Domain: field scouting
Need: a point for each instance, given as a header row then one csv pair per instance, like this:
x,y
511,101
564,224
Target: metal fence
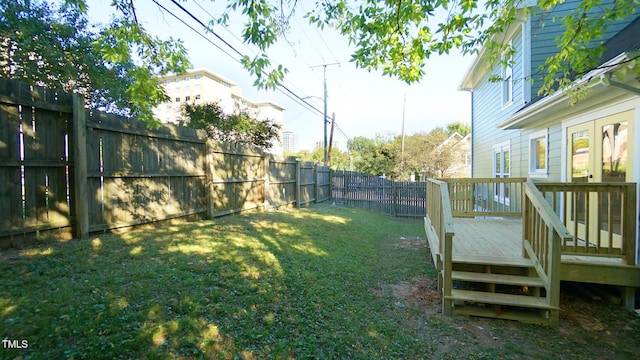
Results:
x,y
397,198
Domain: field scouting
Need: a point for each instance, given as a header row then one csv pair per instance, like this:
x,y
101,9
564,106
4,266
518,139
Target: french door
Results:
x,y
599,151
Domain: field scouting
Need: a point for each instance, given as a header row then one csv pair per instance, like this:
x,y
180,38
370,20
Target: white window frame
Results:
x,y
507,79
535,172
501,192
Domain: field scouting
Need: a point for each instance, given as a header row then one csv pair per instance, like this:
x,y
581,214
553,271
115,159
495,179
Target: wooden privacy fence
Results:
x,y
67,171
397,198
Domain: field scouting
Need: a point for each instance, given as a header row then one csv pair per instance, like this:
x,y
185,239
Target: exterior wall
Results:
x,y
534,43
520,145
488,111
546,27
196,86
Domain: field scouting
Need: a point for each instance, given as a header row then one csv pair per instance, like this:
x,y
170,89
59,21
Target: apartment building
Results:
x,y
288,141
201,86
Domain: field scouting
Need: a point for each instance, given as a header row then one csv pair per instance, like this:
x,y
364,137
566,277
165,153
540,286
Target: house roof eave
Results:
x,y
559,100
478,68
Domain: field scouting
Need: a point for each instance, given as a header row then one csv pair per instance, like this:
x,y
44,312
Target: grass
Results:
x,y
322,282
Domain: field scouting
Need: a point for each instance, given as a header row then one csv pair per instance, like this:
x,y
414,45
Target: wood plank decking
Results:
x,y
487,238
499,241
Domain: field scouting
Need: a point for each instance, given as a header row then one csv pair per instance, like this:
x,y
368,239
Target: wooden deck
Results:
x,y
487,237
501,238
508,262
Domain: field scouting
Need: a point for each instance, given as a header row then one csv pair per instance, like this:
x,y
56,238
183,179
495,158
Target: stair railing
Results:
x,y
542,236
440,217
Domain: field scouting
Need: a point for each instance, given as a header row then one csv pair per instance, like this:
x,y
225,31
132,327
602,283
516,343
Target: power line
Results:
x,y
280,87
299,100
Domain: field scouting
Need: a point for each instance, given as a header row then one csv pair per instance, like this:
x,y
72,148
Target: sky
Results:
x,y
365,103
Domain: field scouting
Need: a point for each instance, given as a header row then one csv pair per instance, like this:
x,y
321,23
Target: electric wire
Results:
x,y
287,92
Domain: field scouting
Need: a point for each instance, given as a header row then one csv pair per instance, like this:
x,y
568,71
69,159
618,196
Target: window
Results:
x,y
187,98
501,170
538,154
178,99
167,81
187,77
507,76
177,79
198,97
196,76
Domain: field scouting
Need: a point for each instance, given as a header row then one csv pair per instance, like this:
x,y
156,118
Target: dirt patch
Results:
x,y
410,243
421,293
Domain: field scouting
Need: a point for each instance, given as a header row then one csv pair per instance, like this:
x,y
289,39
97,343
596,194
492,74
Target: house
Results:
x,y
545,138
552,165
459,148
201,86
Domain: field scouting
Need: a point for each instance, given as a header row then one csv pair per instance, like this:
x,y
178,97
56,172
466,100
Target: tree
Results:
x,y
374,156
395,37
55,46
339,159
241,127
458,127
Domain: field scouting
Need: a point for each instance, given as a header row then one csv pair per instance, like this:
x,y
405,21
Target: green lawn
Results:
x,y
325,282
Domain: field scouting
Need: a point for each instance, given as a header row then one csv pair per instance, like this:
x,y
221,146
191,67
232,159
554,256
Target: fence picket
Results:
x,y
396,198
67,170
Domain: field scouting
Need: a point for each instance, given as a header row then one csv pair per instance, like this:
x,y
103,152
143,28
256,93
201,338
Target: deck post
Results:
x,y
630,224
553,293
447,305
628,297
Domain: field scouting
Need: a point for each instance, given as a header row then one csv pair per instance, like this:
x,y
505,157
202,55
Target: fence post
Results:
x,y
316,179
81,190
330,180
267,176
345,183
209,171
298,192
394,191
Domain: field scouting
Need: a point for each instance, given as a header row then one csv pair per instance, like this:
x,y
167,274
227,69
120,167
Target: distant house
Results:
x,y
455,153
201,86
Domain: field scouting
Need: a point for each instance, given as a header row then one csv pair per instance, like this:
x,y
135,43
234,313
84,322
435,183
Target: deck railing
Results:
x,y
600,216
440,220
542,236
486,196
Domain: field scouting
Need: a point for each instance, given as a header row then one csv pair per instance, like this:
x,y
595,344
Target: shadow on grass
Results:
x,y
284,284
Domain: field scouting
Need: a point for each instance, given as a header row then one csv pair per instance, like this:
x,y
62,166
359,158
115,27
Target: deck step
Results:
x,y
493,260
500,299
497,279
531,316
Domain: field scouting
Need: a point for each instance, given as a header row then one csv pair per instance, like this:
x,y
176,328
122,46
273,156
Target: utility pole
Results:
x,y
333,122
325,106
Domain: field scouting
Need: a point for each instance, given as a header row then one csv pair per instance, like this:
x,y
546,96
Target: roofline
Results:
x,y
201,70
260,103
562,95
468,82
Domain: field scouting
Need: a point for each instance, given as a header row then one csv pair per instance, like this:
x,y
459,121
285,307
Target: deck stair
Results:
x,y
504,288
